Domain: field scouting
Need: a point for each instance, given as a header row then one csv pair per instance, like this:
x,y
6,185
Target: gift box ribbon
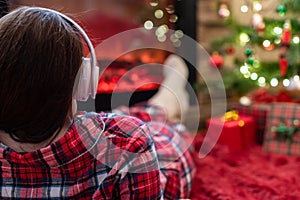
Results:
x,y
233,115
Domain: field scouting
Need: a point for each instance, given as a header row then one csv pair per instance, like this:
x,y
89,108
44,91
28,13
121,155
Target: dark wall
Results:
x,y
3,7
186,11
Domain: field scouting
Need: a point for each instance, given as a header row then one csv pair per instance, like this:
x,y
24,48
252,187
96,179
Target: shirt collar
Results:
x,y
78,140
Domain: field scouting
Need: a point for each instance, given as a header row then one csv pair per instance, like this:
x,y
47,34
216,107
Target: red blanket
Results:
x,y
251,174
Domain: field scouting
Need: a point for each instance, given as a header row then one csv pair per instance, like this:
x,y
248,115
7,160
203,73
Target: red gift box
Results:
x,y
238,134
259,112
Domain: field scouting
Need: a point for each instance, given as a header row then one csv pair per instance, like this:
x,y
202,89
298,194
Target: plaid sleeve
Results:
x,y
132,157
177,166
171,141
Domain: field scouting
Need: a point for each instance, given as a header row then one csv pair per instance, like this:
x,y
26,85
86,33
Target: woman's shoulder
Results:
x,y
120,129
124,141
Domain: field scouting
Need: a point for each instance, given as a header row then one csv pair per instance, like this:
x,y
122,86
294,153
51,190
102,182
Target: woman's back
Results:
x,y
116,163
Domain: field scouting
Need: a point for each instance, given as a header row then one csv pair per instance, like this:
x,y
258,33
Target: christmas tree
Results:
x,y
265,48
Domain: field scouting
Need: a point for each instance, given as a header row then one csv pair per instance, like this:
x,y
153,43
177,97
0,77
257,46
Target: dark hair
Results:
x,y
40,56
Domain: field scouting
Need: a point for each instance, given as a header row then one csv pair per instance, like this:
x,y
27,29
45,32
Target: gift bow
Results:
x,y
233,116
287,133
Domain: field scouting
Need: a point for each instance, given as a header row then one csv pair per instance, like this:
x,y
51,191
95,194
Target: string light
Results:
x,y
286,82
277,41
274,82
244,38
257,6
224,11
296,78
153,3
164,28
173,18
247,75
254,76
266,43
159,14
162,38
173,38
296,40
244,69
177,43
161,33
244,8
148,25
261,81
277,30
179,33
170,9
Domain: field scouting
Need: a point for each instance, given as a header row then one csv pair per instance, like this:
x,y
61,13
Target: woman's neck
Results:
x,y
30,147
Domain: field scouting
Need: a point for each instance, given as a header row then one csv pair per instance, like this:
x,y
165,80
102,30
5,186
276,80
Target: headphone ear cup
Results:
x,y
81,90
94,82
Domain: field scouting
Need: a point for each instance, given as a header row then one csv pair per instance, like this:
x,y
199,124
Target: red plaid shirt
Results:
x,y
86,163
121,162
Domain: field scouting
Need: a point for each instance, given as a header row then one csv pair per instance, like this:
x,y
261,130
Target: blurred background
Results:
x,y
103,19
253,44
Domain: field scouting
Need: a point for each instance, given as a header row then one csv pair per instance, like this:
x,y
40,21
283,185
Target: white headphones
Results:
x,y
86,82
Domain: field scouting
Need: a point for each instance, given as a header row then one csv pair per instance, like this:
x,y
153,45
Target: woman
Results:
x,y
47,151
